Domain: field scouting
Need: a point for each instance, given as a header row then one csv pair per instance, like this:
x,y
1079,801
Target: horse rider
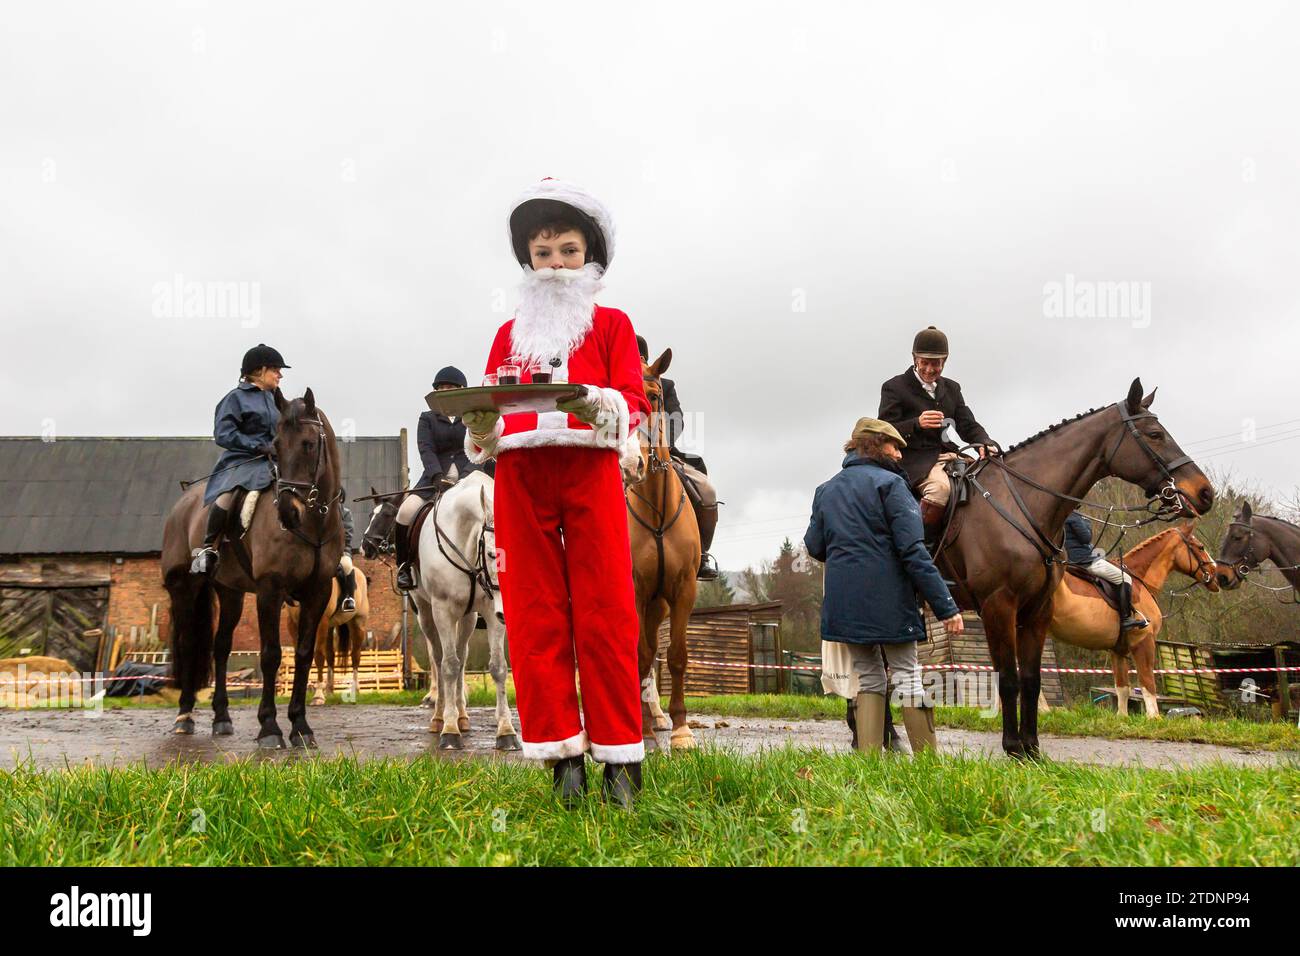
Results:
x,y
346,573
866,529
244,425
919,403
1081,554
441,440
700,491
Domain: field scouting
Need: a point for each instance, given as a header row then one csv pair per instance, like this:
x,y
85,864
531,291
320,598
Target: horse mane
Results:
x,y
1057,427
1149,543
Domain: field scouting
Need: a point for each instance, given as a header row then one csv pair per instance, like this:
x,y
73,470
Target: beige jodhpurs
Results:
x,y
937,486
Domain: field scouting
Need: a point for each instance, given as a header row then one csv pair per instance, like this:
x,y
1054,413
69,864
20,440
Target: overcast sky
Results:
x,y
798,188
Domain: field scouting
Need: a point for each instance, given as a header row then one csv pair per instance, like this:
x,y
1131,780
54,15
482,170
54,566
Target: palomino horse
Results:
x,y
291,549
1080,616
1252,539
1003,549
665,544
457,586
349,626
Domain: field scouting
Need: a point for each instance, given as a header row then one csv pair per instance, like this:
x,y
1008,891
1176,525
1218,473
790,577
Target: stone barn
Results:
x,y
81,524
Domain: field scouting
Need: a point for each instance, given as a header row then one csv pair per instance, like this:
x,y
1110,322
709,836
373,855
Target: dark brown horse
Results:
x,y
1004,547
291,549
1252,539
665,544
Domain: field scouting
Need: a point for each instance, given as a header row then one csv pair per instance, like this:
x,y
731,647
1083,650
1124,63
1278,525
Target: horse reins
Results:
x,y
656,466
477,571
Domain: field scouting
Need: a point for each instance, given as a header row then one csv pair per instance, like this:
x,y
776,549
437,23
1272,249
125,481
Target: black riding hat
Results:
x,y
261,356
643,348
450,375
930,343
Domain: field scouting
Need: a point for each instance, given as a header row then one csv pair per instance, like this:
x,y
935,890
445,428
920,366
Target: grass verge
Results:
x,y
705,808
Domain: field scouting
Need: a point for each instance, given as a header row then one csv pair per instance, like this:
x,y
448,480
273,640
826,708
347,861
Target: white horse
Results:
x,y
457,585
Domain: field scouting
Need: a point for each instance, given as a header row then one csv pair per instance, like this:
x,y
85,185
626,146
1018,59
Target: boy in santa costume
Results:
x,y
561,518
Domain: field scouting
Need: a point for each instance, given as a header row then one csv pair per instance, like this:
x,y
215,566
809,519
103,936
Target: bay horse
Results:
x,y
1252,539
457,586
349,627
665,542
1003,549
291,548
1080,616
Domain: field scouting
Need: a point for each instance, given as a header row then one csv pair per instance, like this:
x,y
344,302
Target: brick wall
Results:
x,y
135,586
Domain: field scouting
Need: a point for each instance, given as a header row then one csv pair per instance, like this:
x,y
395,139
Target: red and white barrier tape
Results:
x,y
989,667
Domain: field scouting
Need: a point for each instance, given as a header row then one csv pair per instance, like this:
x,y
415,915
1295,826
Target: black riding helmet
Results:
x,y
930,343
643,348
261,356
450,375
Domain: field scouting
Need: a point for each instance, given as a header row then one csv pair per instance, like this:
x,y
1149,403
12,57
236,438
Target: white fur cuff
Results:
x,y
481,453
619,753
557,749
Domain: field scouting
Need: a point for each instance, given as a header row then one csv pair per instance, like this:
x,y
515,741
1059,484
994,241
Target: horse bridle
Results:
x,y
1247,562
1169,492
311,499
1201,563
477,571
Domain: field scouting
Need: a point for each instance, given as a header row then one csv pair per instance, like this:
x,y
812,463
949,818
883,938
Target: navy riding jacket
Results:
x,y
245,420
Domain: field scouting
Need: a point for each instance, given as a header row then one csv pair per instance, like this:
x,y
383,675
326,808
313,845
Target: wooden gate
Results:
x,y
51,622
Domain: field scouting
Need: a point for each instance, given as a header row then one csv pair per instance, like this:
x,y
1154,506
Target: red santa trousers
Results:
x,y
569,601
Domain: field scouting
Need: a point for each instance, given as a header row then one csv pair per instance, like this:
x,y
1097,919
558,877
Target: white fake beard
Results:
x,y
555,313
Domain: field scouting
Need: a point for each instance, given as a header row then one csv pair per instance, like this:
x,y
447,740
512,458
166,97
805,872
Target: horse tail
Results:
x,y
191,636
344,631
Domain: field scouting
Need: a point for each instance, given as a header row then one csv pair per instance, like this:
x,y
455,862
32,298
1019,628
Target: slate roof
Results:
x,y
110,495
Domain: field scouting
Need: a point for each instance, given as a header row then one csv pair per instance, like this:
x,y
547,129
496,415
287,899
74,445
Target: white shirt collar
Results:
x,y
929,388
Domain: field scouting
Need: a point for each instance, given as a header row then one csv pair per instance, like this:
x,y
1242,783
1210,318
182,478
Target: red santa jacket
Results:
x,y
608,362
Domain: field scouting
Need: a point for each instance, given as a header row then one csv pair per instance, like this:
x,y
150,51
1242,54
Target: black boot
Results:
x,y
401,536
851,718
622,784
708,568
205,557
1130,620
569,780
348,588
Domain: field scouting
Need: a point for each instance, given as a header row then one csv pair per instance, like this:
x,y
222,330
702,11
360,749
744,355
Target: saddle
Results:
x,y
413,536
1109,591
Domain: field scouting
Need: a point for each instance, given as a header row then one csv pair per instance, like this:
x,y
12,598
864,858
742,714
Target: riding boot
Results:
x,y
205,557
708,568
569,780
621,784
707,519
1130,619
850,718
870,719
401,544
931,513
919,722
348,587
893,741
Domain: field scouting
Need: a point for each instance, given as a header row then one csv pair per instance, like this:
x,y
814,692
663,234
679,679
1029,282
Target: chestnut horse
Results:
x,y
665,544
1004,551
292,547
1081,617
350,629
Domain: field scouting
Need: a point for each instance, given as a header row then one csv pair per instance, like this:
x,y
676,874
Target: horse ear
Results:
x,y
373,491
1146,402
1245,512
280,403
310,401
662,362
1134,400
482,497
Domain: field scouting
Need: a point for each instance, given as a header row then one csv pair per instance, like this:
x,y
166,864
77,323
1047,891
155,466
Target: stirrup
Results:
x,y
1134,624
708,568
405,581
204,560
348,604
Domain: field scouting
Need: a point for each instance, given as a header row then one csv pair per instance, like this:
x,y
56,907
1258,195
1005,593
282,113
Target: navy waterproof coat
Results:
x,y
866,527
245,420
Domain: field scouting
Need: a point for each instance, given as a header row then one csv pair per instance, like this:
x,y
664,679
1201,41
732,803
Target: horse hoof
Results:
x,y
305,741
450,742
462,724
270,742
318,701
508,742
222,728
428,703
435,725
185,727
683,741
663,724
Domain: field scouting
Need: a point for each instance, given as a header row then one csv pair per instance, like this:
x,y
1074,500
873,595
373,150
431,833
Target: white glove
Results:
x,y
586,408
481,423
